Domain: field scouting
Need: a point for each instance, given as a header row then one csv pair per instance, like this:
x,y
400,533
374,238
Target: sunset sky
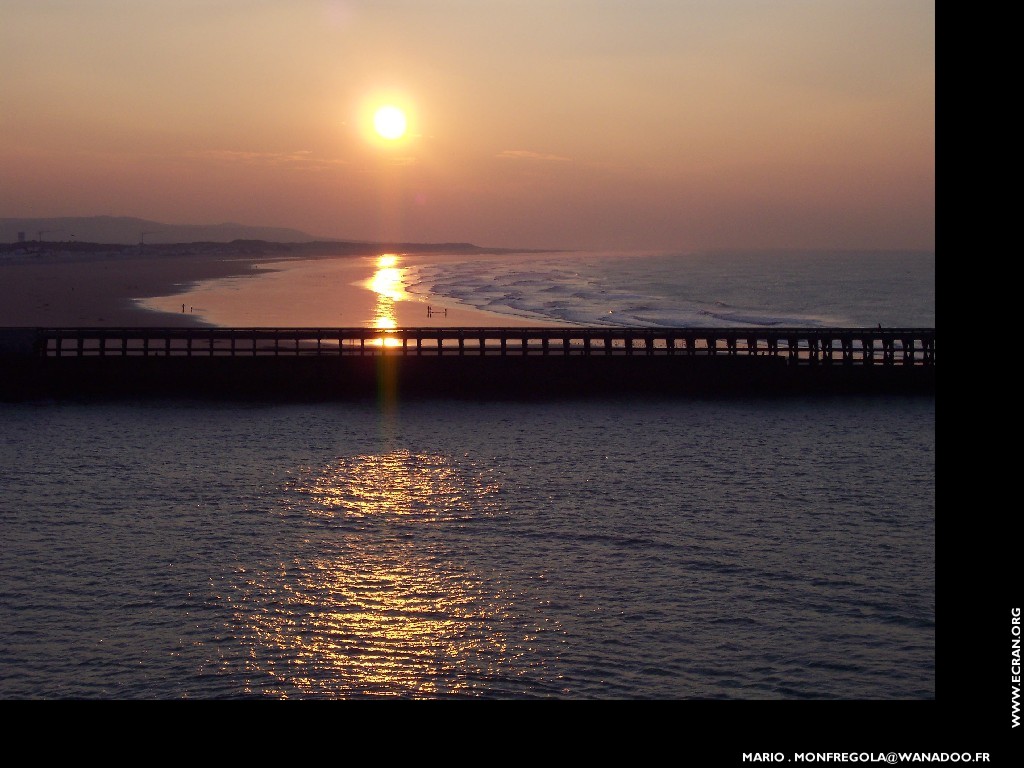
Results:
x,y
640,124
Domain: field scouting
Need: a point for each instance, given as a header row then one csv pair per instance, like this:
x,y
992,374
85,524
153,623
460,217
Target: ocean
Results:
x,y
763,289
593,548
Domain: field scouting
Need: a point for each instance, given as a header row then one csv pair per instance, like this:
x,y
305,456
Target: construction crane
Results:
x,y
142,236
47,232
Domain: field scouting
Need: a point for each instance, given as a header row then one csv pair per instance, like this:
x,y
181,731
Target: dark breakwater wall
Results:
x,y
317,363
485,377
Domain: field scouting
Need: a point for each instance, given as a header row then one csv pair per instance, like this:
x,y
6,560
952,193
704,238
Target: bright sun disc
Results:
x,y
389,122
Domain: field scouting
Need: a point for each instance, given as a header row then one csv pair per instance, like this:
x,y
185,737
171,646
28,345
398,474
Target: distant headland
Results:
x,y
124,235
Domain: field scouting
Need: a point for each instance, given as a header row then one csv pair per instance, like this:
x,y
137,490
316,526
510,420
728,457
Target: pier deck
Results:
x,y
326,362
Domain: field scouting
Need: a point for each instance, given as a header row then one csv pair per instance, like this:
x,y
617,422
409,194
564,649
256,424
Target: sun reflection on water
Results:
x,y
388,283
389,611
399,483
376,623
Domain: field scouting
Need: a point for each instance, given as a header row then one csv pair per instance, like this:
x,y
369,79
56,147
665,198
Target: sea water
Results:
x,y
763,289
734,548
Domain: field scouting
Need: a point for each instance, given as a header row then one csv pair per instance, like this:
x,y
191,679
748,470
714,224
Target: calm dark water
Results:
x,y
744,549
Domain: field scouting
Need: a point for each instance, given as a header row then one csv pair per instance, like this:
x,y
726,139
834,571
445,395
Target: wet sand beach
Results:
x,y
266,291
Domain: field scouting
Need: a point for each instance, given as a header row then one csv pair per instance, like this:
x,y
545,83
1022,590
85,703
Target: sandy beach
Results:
x,y
138,291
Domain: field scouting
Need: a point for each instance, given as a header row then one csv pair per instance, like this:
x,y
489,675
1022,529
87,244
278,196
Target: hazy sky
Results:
x,y
646,124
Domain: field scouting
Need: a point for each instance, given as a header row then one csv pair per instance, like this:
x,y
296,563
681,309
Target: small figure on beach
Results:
x,y
183,309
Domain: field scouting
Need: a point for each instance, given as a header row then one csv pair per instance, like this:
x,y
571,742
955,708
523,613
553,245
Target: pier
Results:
x,y
477,362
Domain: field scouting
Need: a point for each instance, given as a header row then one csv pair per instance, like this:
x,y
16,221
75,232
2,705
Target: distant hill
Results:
x,y
126,230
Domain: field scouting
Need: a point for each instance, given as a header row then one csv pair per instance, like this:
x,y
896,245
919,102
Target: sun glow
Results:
x,y
389,122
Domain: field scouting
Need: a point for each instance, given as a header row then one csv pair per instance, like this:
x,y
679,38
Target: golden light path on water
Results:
x,y
386,612
388,283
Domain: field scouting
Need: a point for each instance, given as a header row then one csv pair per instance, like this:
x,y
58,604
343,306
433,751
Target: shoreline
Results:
x,y
105,290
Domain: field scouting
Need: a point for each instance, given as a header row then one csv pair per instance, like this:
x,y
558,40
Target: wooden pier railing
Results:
x,y
798,346
534,363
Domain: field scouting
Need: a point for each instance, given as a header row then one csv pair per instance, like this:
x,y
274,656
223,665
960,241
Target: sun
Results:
x,y
390,122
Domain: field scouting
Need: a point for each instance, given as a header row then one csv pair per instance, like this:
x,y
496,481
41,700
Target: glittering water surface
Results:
x,y
592,549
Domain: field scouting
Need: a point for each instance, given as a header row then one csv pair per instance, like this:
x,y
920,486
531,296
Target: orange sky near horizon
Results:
x,y
648,124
